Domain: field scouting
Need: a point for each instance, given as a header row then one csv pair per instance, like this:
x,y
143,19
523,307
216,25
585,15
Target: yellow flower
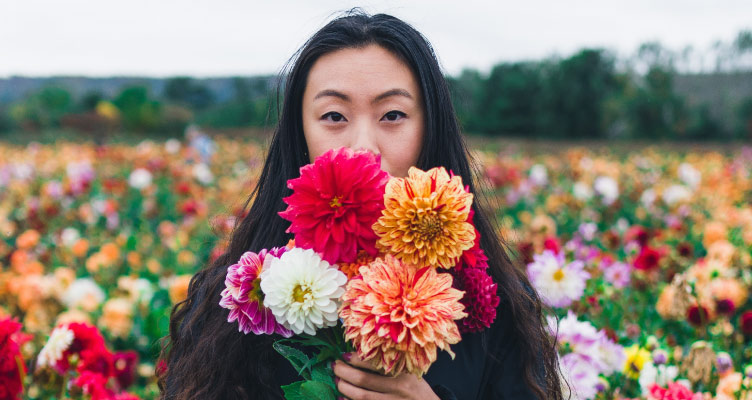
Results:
x,y
636,359
424,222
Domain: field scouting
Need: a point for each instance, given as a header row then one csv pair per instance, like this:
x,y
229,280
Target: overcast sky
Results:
x,y
244,37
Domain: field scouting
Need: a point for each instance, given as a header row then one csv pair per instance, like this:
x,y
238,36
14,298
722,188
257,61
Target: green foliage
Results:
x,y
744,130
139,113
652,107
187,92
42,109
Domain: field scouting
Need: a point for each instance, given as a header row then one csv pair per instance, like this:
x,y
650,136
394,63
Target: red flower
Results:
x,y
745,322
637,233
85,337
725,307
675,391
94,385
10,359
698,315
98,360
335,202
647,259
480,299
125,367
552,243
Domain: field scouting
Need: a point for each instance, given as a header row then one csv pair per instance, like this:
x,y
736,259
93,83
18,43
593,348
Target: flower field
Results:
x,y
644,258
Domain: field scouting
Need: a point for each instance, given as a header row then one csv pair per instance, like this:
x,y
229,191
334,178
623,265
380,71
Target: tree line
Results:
x,y
589,95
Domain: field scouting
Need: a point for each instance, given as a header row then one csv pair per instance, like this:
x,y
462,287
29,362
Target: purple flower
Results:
x,y
559,283
243,296
618,274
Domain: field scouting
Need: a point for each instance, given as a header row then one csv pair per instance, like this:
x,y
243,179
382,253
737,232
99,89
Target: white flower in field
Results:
x,y
83,290
69,236
660,375
588,230
538,175
558,283
608,188
582,191
648,197
675,194
302,290
139,178
689,175
172,146
203,174
59,341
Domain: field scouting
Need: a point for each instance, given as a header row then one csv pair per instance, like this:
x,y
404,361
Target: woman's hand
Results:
x,y
357,384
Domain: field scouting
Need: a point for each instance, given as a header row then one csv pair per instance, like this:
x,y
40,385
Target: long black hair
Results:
x,y
206,357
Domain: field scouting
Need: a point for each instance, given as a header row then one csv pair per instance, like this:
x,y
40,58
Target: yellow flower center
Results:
x,y
300,293
558,275
429,226
335,203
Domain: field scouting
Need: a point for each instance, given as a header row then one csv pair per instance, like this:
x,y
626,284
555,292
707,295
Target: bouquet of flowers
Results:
x,y
390,268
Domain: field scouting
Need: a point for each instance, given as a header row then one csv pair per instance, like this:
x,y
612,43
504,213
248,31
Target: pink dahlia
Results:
x,y
480,299
335,202
243,297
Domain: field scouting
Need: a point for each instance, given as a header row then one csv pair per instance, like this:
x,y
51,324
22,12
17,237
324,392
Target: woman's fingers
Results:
x,y
362,379
355,361
353,392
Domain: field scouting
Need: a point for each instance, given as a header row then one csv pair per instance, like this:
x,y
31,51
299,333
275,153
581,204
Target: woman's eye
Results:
x,y
394,115
333,116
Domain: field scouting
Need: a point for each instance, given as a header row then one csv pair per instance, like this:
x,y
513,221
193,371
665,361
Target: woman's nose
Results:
x,y
364,137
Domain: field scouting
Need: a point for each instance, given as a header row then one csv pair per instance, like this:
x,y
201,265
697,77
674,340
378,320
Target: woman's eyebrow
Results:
x,y
344,97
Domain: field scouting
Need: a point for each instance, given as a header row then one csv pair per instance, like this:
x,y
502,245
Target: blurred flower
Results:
x,y
28,239
12,367
698,364
607,188
580,375
675,391
618,274
636,358
83,293
52,352
559,283
661,375
745,323
117,317
689,175
302,290
648,259
203,174
140,178
178,288
538,175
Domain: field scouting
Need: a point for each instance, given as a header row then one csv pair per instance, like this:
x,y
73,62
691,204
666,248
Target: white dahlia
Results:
x,y
302,290
59,341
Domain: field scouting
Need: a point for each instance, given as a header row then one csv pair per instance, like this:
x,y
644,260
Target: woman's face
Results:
x,y
364,98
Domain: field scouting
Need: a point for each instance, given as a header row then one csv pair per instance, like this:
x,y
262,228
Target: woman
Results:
x,y
368,82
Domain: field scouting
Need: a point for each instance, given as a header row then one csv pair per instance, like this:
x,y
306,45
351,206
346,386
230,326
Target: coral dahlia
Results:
x,y
397,315
425,220
335,202
243,296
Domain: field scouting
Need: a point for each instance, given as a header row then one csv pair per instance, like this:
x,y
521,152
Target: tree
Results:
x,y
137,110
185,91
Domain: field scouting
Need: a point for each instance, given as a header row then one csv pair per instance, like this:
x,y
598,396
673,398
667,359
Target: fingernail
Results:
x,y
347,356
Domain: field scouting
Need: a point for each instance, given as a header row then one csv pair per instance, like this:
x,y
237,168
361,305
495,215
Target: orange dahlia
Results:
x,y
398,315
425,220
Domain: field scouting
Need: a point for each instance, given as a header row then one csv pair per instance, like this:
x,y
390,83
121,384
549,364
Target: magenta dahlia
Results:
x,y
480,299
243,296
335,202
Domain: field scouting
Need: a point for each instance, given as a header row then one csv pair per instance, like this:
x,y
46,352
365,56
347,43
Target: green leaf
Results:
x,y
296,357
322,373
293,391
317,390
